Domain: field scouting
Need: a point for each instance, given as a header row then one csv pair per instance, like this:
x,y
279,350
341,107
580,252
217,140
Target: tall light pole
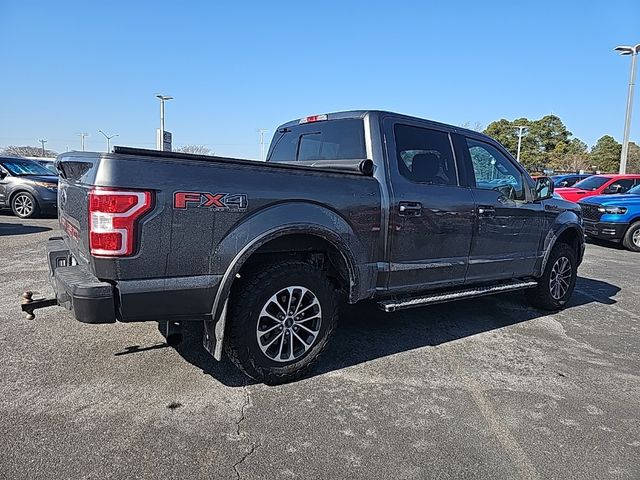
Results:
x,y
108,137
633,51
42,142
521,129
82,137
163,98
262,131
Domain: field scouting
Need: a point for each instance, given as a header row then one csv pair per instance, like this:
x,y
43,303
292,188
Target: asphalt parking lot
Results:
x,y
484,388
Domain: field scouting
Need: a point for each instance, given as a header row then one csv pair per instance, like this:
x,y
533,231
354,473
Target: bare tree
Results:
x,y
477,126
27,151
195,149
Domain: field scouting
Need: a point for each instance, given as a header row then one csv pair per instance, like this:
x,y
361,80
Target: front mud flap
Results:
x,y
213,335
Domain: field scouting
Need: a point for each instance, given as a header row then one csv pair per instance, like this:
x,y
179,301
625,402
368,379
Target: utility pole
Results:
x,y
633,51
42,142
521,129
262,131
108,137
163,98
82,137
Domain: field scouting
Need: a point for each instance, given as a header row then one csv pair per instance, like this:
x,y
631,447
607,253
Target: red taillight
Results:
x,y
112,220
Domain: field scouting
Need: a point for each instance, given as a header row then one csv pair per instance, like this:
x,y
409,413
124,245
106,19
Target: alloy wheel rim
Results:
x,y
636,237
289,324
560,278
23,205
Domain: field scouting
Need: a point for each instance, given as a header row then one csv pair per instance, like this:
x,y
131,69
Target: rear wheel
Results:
x,y
24,205
631,240
280,320
558,280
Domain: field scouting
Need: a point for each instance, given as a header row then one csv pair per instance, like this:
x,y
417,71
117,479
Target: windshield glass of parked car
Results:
x,y
25,167
592,183
634,191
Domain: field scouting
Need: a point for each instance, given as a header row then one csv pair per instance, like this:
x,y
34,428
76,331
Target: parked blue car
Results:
x,y
614,217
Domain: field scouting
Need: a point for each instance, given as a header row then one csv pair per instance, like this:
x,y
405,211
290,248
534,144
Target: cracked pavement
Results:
x,y
485,388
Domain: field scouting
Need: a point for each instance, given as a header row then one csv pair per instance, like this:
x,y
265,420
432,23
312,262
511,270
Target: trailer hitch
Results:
x,y
28,304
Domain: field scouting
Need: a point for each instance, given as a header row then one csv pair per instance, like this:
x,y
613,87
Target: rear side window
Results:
x,y
328,140
425,156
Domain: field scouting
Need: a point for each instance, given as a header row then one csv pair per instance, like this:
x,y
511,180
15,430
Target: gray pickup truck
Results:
x,y
349,206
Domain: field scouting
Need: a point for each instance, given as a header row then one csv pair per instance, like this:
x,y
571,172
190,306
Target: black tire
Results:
x,y
547,295
254,295
631,239
24,205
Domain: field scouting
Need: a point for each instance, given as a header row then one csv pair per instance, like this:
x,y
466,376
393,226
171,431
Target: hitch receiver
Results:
x,y
29,304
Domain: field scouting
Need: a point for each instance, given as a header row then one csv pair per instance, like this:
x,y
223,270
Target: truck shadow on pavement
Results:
x,y
7,229
365,333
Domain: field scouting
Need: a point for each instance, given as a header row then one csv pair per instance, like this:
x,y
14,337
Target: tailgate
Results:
x,y
77,175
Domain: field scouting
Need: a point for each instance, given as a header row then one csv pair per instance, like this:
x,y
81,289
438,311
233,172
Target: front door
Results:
x,y
507,221
432,215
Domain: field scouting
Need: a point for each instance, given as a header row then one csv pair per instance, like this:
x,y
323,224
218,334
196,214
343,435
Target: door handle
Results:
x,y
486,210
410,209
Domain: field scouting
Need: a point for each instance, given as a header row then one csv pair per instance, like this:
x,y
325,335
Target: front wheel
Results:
x,y
280,320
631,240
558,280
24,205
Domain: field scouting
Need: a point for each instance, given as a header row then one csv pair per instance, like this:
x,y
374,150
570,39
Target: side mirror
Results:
x,y
544,188
2,174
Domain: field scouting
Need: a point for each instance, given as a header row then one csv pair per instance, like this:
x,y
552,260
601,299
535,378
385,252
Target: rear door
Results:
x,y
431,218
507,222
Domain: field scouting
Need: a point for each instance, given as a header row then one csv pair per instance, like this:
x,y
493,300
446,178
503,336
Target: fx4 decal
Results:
x,y
216,201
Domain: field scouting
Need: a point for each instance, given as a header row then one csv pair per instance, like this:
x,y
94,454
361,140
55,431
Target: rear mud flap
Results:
x,y
213,335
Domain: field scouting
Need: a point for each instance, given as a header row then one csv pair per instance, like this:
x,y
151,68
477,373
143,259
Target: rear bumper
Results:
x,y
95,301
77,289
605,230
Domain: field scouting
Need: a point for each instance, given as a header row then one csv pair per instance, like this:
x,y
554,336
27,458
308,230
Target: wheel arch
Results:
x,y
572,234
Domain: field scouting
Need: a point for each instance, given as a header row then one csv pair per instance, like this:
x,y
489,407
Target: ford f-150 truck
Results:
x,y
349,206
614,217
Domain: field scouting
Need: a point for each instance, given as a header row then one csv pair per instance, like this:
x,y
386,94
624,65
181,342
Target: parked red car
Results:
x,y
599,185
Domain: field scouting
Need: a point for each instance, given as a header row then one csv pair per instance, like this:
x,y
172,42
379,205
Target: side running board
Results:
x,y
410,302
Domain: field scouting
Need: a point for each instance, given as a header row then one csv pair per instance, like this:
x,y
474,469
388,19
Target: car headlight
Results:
x,y
49,186
613,210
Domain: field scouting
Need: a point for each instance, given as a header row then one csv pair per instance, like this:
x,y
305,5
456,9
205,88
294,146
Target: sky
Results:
x,y
235,67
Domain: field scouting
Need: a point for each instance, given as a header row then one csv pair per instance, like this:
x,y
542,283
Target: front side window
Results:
x,y
326,140
425,156
494,171
620,186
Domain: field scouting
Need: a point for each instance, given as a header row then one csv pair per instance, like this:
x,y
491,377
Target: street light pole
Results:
x,y
108,137
262,132
520,132
163,98
633,51
42,142
82,137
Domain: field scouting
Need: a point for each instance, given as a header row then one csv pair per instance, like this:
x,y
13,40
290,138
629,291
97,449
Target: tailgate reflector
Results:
x,y
113,216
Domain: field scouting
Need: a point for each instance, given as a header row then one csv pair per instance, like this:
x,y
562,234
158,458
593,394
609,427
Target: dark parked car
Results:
x,y
27,187
349,206
568,179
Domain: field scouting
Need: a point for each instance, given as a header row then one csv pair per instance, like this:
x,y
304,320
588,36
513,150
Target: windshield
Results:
x,y
635,190
592,183
21,168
